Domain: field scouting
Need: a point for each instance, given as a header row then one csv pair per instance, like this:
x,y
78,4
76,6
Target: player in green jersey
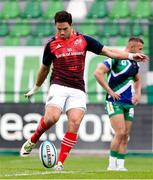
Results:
x,y
123,92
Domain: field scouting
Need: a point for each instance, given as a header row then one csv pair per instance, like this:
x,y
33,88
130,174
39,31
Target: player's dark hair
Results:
x,y
63,16
136,39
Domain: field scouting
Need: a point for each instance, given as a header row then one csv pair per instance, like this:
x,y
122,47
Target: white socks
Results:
x,y
112,162
120,163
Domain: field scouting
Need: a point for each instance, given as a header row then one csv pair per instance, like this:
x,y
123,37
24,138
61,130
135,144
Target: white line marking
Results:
x,y
43,173
50,172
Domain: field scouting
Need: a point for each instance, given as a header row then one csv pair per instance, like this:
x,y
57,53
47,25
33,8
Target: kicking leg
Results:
x,y
51,116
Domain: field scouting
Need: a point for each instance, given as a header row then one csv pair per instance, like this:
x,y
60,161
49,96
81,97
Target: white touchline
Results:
x,y
42,173
51,172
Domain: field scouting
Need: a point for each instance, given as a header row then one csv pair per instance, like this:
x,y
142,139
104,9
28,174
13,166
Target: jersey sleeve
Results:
x,y
47,56
109,63
93,45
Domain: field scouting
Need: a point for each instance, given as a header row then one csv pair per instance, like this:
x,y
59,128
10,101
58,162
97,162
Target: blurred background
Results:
x,y
26,26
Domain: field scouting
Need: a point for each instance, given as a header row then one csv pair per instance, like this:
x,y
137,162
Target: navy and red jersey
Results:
x,y
68,58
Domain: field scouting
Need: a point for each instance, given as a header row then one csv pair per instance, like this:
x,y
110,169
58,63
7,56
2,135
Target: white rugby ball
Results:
x,y
48,154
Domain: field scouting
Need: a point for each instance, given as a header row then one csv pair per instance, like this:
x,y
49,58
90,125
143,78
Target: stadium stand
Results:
x,y
10,9
33,41
52,7
31,23
11,41
32,9
98,10
109,29
120,10
43,29
108,20
4,29
20,29
143,9
89,28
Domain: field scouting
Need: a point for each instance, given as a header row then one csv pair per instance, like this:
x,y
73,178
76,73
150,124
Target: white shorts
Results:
x,y
66,98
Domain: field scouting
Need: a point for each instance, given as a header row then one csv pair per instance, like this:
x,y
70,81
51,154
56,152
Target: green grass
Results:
x,y
81,167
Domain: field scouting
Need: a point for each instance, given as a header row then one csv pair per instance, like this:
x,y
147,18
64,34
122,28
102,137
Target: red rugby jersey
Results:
x,y
68,58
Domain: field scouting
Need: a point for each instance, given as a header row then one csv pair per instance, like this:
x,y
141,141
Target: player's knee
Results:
x,y
121,133
51,119
126,137
74,125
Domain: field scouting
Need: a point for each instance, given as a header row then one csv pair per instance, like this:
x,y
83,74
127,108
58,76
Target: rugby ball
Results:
x,y
48,154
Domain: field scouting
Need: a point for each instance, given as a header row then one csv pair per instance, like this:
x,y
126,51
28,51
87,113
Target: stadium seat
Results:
x,y
146,42
33,41
132,29
105,41
146,31
98,9
143,9
122,41
43,29
3,29
109,29
21,29
32,9
52,7
11,41
119,10
126,30
137,29
89,29
10,9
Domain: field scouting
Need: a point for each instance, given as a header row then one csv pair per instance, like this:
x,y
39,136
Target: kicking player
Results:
x,y
66,52
123,93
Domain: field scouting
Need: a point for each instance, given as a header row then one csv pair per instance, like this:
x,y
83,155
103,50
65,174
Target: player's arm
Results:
x,y
43,71
42,74
137,87
96,47
99,74
119,54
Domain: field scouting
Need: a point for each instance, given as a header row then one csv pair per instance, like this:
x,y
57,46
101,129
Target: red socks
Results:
x,y
67,144
69,140
39,131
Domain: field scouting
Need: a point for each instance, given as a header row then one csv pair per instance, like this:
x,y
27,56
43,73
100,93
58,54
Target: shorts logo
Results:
x,y
110,108
131,112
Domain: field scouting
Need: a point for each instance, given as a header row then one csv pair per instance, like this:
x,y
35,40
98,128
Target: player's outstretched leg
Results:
x,y
31,143
27,148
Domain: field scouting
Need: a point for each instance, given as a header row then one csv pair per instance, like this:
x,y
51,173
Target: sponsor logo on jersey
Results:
x,y
80,53
78,41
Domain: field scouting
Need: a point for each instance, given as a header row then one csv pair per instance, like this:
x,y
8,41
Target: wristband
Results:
x,y
131,56
35,88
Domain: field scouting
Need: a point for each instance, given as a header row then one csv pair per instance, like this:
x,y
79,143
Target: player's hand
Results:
x,y
135,99
114,95
139,57
32,91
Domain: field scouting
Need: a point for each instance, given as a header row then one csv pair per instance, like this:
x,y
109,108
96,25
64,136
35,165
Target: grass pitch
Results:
x,y
81,167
